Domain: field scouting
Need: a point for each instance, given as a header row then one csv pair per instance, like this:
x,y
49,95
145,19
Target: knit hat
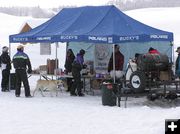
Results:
x,y
116,46
177,49
20,46
5,49
151,49
82,51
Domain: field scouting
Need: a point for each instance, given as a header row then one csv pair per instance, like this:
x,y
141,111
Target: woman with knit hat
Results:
x,y
6,67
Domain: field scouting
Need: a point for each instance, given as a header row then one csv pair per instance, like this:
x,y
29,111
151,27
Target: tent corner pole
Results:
x,y
9,85
10,70
172,51
56,61
114,73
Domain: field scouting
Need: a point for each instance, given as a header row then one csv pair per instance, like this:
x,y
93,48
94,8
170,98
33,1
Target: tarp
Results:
x,y
100,53
95,24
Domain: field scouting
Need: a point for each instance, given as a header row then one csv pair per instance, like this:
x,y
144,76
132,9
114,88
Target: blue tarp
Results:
x,y
93,24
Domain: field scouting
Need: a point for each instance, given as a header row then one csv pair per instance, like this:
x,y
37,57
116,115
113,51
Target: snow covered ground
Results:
x,y
83,115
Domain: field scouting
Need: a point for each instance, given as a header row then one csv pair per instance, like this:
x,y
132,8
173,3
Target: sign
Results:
x,y
45,49
102,56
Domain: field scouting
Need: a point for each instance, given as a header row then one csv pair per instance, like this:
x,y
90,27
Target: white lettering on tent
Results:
x,y
20,39
43,38
67,37
159,36
125,38
98,38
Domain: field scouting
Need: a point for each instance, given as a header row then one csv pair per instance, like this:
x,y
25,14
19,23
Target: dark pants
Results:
x,y
5,79
77,82
21,76
69,83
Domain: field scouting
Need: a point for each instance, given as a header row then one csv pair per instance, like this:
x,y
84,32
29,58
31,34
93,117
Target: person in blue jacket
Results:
x,y
21,61
77,66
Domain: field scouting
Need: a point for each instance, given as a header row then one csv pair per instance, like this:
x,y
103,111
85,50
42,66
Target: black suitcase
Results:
x,y
13,81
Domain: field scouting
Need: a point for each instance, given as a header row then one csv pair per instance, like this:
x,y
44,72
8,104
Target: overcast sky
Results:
x,y
51,3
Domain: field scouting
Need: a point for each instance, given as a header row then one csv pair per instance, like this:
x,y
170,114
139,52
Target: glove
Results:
x,y
29,71
109,70
65,71
84,66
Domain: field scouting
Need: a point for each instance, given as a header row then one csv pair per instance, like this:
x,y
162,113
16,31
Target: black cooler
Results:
x,y
13,81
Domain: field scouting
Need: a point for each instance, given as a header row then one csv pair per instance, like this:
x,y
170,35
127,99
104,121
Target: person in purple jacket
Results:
x,y
77,66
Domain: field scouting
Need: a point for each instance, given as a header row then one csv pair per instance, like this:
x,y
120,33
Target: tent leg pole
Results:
x,y
9,85
56,62
114,73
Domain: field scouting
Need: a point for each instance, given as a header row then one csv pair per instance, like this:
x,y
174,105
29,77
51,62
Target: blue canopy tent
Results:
x,y
101,24
98,25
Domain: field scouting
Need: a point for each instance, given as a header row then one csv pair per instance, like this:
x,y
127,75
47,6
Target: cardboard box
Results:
x,y
96,84
43,69
51,66
164,75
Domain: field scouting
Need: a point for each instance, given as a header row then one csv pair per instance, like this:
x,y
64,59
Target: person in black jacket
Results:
x,y
6,67
177,67
68,67
20,62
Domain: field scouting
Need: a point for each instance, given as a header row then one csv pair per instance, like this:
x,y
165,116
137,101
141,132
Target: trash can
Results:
x,y
108,94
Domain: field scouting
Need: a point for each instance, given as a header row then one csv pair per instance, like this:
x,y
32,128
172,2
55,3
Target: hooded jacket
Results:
x,y
119,62
78,63
21,60
68,63
5,60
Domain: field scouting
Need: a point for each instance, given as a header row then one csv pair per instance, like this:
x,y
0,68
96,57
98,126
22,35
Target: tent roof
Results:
x,y
98,24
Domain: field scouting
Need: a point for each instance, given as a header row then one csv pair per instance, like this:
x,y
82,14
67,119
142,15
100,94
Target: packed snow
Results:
x,y
83,115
